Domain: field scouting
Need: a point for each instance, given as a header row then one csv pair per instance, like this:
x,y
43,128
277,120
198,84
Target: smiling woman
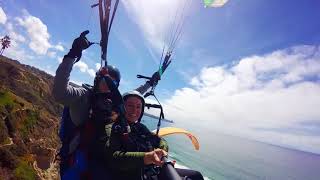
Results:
x,y
133,107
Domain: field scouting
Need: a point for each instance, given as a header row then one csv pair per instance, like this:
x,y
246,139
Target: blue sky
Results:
x,y
250,67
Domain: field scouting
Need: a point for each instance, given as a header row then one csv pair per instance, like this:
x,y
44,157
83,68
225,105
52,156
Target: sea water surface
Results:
x,y
225,157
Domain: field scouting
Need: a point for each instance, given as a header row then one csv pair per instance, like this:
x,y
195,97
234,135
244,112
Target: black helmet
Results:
x,y
112,71
126,95
115,73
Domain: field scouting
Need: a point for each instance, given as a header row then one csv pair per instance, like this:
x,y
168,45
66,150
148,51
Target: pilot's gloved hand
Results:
x,y
154,79
78,45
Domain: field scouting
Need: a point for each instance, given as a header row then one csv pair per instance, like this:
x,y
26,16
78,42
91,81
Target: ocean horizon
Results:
x,y
224,157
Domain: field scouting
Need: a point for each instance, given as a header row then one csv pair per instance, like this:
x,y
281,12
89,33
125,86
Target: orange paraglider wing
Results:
x,y
172,130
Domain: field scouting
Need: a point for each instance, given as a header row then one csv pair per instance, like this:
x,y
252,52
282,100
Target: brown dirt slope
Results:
x,y
29,119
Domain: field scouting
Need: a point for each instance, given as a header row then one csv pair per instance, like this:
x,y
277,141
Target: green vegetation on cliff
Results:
x,y
29,118
24,171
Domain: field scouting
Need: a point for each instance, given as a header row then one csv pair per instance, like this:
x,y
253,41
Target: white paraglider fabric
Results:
x,y
214,3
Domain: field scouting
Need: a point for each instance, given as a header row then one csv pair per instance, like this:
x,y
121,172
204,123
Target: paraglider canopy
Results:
x,y
172,130
214,3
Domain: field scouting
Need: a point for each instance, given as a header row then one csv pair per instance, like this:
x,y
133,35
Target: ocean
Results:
x,y
223,157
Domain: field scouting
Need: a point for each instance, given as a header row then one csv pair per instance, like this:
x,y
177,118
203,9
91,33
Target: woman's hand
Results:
x,y
154,157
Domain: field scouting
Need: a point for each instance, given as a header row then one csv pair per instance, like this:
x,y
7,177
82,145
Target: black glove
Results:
x,y
78,45
154,79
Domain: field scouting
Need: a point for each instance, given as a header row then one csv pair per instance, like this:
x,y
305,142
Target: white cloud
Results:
x,y
154,18
91,72
37,32
37,37
3,16
98,65
48,69
17,37
59,47
277,90
17,52
83,67
59,59
52,54
13,34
